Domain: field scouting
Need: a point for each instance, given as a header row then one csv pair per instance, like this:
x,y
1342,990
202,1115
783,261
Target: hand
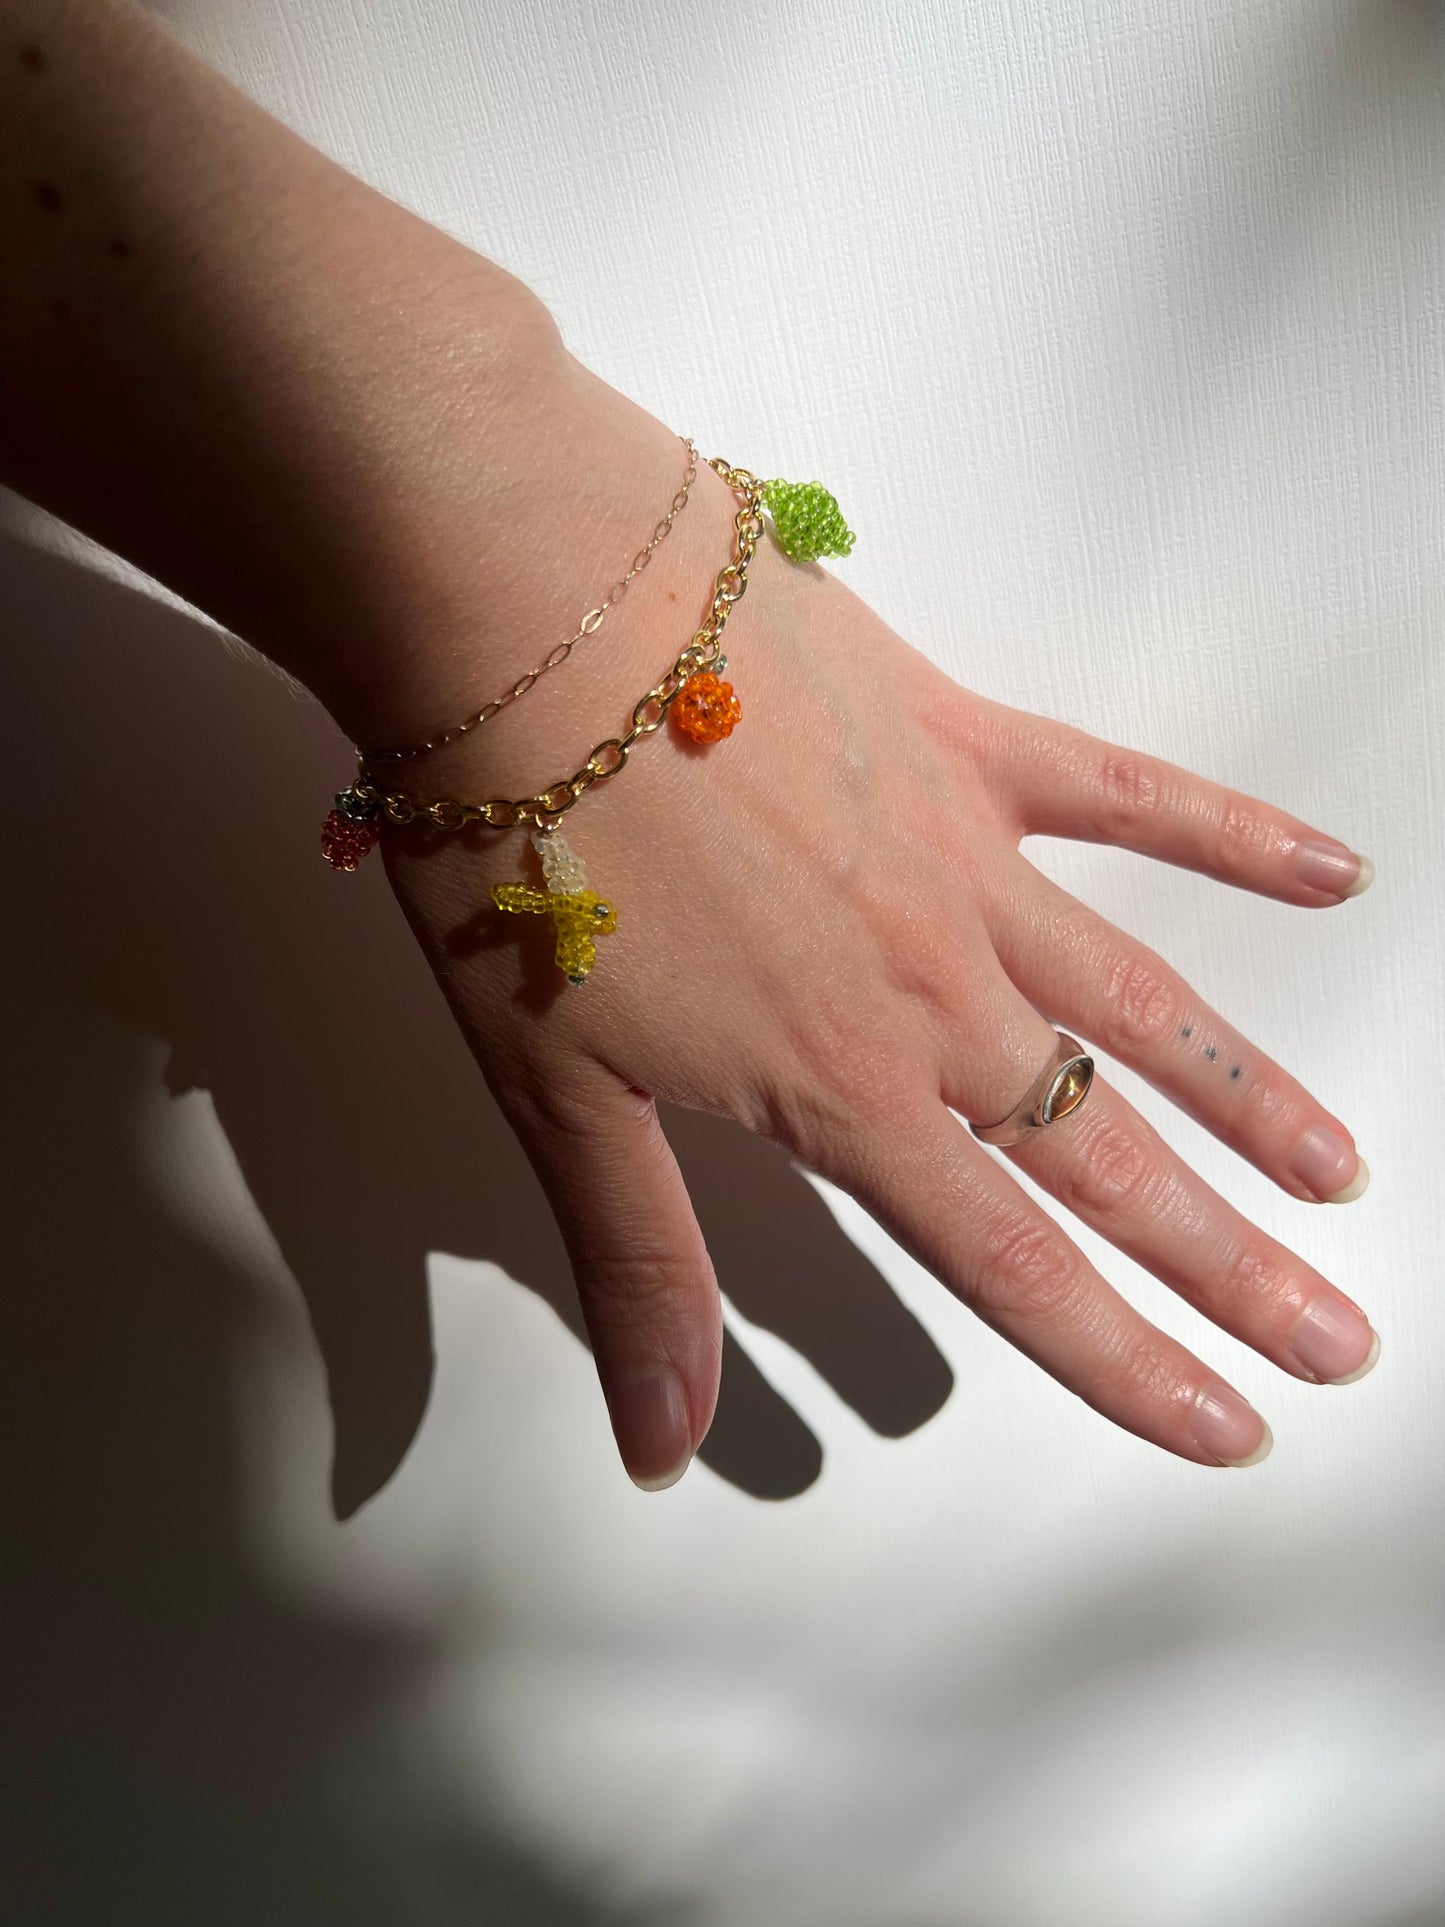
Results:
x,y
826,931
359,446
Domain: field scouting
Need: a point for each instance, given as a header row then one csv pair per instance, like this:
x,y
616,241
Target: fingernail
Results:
x,y
1330,866
1334,1340
1369,1365
651,1425
1330,1165
1229,1428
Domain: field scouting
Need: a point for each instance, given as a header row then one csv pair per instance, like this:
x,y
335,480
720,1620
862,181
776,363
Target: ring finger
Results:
x,y
1095,980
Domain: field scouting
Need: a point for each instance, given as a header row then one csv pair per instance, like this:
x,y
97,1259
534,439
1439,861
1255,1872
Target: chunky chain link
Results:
x,y
557,655
649,712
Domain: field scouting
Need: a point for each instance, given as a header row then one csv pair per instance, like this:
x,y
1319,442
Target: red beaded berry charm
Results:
x,y
706,708
345,842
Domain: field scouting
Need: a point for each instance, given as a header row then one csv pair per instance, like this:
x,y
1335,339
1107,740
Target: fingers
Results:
x,y
1114,1171
1101,984
644,1279
959,1213
1061,781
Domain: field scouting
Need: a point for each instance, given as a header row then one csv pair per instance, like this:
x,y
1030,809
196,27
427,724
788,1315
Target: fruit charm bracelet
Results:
x,y
806,524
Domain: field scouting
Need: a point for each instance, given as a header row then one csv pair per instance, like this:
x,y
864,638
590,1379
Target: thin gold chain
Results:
x,y
648,713
559,653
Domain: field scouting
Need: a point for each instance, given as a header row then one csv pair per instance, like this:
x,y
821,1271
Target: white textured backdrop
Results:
x,y
1119,327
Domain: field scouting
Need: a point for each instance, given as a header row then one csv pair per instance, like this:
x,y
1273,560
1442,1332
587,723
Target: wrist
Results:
x,y
494,559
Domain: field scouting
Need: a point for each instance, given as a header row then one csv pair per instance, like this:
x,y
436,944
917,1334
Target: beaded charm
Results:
x,y
807,520
349,833
706,708
578,914
806,523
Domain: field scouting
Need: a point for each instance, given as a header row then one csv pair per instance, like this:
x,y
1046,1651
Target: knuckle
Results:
x,y
1255,1279
1242,836
1126,787
831,1123
1141,1003
962,723
840,1087
622,1291
878,1099
1030,1271
1113,1173
1141,1373
541,1099
1268,1104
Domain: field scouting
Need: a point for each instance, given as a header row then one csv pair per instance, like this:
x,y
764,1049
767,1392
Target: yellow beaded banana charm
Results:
x,y
578,914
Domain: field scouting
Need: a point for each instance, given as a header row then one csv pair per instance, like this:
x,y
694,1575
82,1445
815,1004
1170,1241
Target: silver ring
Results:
x,y
1058,1091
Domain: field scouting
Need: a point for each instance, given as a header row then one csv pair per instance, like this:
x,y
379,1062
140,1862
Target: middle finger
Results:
x,y
1115,1172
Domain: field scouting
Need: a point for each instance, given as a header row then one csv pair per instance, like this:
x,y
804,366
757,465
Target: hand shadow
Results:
x,y
191,1733
165,792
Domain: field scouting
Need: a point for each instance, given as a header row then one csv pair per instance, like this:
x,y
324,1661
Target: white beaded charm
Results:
x,y
561,865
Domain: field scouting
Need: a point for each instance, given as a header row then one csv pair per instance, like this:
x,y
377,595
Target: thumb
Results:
x,y
644,1279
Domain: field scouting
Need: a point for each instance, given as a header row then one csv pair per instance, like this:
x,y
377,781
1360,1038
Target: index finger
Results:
x,y
1061,781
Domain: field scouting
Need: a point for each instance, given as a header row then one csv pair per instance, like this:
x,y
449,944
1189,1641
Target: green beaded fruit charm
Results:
x,y
806,520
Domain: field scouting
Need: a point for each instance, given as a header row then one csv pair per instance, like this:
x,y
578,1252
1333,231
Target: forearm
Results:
x,y
268,385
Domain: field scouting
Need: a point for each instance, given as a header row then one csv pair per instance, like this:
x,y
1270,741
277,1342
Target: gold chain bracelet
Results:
x,y
559,653
807,523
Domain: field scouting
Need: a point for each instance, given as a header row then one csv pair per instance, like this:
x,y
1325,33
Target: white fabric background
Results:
x,y
1119,328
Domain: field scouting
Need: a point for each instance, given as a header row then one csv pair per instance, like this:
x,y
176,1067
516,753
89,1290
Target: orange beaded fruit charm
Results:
x,y
706,708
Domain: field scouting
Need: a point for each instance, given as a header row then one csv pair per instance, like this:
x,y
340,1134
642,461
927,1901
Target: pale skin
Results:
x,y
367,451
